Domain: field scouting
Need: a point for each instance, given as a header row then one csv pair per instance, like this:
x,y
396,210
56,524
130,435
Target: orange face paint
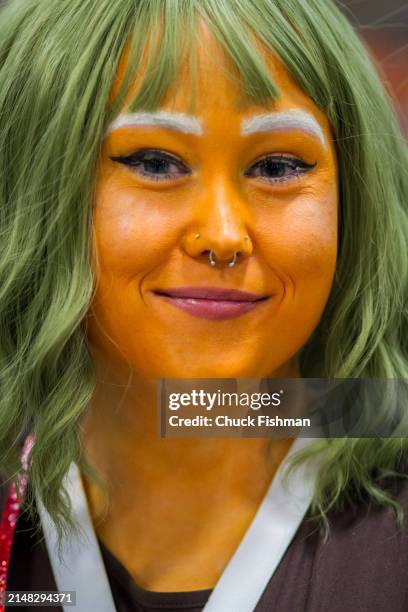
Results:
x,y
262,181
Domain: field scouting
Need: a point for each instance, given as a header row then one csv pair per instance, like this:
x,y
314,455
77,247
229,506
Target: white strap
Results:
x,y
257,557
246,574
82,570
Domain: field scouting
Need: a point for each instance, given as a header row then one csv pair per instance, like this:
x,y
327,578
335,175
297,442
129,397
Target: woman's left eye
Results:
x,y
278,168
154,164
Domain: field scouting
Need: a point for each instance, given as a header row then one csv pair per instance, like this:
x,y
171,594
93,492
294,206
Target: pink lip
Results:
x,y
212,302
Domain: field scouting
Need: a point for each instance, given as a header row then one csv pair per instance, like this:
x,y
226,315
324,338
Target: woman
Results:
x,y
148,149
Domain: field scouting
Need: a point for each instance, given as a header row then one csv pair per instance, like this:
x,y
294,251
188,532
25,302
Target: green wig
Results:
x,y
58,60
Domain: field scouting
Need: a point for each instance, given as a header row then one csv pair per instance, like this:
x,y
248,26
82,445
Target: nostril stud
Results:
x,y
197,236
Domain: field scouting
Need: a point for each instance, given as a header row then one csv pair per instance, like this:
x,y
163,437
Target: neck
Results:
x,y
190,484
120,439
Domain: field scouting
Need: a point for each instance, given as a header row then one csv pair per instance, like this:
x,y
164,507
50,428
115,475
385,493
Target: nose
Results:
x,y
218,235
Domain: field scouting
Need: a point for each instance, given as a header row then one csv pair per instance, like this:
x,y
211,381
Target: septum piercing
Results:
x,y
212,257
230,263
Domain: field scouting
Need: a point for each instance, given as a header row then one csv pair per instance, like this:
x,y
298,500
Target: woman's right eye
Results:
x,y
154,164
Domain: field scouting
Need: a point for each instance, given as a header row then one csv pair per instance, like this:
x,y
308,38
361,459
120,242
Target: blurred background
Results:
x,y
384,26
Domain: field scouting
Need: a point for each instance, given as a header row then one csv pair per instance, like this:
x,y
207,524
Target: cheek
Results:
x,y
312,242
300,237
130,235
301,247
129,238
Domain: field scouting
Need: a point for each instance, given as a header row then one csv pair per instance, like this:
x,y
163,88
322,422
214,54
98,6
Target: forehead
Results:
x,y
212,81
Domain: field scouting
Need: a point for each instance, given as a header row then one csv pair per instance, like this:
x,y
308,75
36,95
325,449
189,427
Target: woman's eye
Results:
x,y
154,164
278,168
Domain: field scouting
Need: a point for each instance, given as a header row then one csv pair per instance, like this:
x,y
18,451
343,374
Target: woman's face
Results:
x,y
258,180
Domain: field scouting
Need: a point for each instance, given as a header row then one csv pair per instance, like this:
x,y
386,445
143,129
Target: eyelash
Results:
x,y
140,157
136,160
297,165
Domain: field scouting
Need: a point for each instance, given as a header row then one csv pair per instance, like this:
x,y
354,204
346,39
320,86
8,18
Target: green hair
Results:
x,y
58,60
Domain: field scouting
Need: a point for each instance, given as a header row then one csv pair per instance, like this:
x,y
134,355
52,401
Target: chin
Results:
x,y
218,370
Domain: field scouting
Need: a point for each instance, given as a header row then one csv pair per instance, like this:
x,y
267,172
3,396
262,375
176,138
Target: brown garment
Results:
x,y
363,567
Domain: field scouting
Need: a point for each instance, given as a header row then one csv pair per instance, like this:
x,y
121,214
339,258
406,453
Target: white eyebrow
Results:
x,y
173,121
279,122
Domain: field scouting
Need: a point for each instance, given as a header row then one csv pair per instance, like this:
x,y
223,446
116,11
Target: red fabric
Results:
x,y
10,515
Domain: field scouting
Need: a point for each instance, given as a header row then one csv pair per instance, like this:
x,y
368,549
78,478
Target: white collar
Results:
x,y
81,568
